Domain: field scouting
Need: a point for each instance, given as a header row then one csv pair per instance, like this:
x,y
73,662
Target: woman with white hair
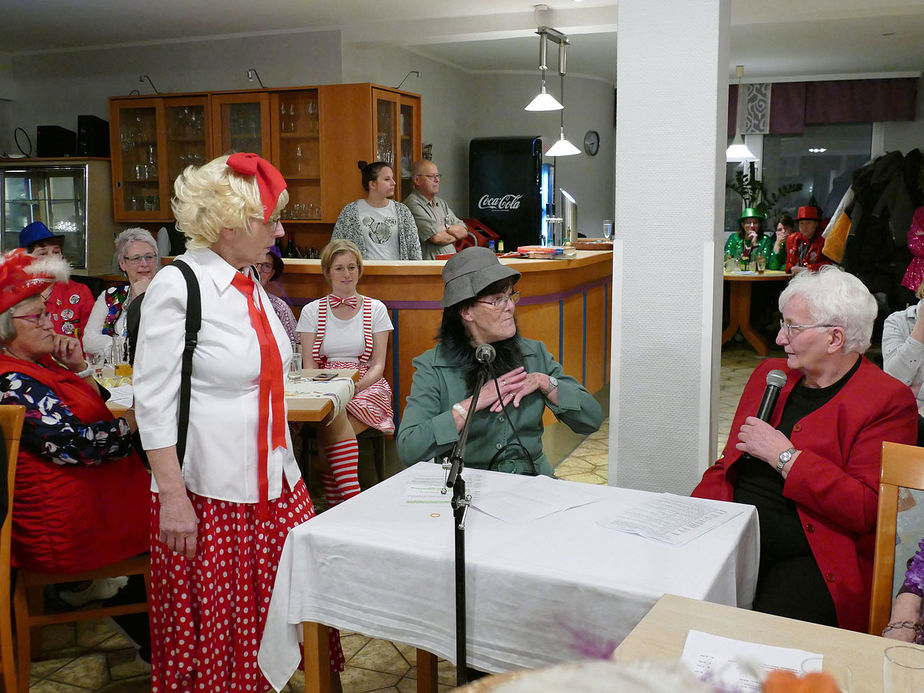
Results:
x,y
812,470
139,260
224,503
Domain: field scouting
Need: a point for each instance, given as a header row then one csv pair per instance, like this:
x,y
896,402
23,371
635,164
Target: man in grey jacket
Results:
x,y
437,226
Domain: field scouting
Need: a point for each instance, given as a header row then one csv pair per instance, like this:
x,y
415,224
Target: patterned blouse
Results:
x,y
54,432
286,317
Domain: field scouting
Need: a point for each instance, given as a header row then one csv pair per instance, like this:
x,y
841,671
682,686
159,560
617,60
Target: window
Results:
x,y
823,158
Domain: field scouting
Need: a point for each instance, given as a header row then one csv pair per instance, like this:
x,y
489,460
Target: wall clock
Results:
x,y
592,142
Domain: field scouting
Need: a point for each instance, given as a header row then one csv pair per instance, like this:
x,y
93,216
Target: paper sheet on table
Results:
x,y
738,665
671,519
522,505
123,395
427,487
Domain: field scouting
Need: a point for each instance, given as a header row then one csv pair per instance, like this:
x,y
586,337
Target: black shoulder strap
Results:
x,y
193,323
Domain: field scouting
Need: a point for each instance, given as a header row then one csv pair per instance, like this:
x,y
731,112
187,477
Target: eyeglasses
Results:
x,y
138,259
265,266
34,318
432,176
788,327
501,301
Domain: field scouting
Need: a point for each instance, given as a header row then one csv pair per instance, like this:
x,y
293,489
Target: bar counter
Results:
x,y
564,303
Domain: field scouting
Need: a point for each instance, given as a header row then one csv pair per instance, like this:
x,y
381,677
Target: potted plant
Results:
x,y
754,194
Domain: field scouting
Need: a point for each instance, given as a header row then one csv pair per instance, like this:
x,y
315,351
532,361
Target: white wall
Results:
x,y
54,88
906,135
589,105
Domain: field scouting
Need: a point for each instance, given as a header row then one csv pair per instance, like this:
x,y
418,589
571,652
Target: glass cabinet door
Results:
x,y
54,195
386,116
240,122
140,168
296,151
406,132
187,135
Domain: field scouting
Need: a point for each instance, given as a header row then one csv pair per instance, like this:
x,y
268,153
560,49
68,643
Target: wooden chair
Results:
x,y
29,598
11,418
902,467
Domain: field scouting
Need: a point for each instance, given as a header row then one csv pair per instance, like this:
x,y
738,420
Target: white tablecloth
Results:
x,y
539,592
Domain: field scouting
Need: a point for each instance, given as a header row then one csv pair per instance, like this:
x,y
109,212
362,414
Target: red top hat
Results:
x,y
808,212
22,276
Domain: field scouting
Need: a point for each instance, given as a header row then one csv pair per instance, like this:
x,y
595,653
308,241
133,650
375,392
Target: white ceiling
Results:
x,y
771,38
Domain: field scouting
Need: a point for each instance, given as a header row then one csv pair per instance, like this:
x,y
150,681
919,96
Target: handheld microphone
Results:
x,y
776,379
484,354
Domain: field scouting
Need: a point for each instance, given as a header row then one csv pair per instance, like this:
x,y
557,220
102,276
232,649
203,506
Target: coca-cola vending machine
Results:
x,y
504,179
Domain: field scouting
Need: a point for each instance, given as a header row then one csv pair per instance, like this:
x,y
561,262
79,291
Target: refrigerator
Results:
x,y
505,177
72,197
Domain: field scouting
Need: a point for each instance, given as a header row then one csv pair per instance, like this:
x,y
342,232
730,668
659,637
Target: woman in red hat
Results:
x,y
226,499
803,249
69,304
81,499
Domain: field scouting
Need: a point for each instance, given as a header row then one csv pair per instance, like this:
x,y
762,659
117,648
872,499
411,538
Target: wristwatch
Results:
x,y
785,456
553,383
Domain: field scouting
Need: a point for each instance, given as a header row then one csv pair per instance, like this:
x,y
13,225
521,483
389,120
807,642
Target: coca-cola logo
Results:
x,y
501,203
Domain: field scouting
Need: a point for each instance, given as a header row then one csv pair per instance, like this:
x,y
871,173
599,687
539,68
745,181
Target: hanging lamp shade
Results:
x,y
544,101
562,147
738,151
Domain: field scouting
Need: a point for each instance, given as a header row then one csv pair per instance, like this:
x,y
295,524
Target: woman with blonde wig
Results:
x,y
222,509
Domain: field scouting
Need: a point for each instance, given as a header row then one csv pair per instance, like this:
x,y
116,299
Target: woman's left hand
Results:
x,y
532,382
68,352
761,440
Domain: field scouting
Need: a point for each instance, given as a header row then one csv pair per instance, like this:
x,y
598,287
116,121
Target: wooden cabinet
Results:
x,y
240,123
316,136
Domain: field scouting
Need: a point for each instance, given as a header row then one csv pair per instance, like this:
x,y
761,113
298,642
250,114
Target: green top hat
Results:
x,y
752,213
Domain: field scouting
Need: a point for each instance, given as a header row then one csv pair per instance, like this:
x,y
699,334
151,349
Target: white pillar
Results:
x,y
671,105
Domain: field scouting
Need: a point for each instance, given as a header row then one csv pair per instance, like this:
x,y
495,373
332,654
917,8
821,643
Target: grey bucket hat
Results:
x,y
468,272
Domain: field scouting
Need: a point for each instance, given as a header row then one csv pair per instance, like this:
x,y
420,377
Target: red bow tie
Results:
x,y
336,301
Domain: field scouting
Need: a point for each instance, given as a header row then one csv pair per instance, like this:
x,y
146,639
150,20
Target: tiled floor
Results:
x,y
95,657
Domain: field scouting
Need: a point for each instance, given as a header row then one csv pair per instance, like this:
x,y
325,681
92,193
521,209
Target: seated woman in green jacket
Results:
x,y
752,241
506,432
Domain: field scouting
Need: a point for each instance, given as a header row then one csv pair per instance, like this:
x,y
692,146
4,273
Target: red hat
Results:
x,y
269,180
23,276
809,212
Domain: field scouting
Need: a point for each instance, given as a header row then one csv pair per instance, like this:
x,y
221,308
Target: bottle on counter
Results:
x,y
492,247
290,250
500,247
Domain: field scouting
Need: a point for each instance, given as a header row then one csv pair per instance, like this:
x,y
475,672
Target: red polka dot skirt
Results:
x,y
208,613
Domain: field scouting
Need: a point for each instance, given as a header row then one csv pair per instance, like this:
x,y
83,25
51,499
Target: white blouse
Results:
x,y
221,442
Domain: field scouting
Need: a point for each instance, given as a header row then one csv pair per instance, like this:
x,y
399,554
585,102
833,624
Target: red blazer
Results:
x,y
835,480
812,257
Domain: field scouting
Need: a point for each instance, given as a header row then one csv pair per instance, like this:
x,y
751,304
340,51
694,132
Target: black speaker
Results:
x,y
92,136
53,140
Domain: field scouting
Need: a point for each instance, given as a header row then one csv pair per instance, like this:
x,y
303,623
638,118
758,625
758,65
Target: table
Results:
x,y
382,566
663,632
306,409
739,306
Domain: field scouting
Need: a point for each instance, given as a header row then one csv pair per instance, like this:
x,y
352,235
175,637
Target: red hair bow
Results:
x,y
269,180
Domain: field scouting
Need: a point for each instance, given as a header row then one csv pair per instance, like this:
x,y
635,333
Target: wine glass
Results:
x,y
607,228
299,160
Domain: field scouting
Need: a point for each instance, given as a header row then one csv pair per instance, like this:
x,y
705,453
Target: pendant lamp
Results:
x,y
562,146
543,101
738,151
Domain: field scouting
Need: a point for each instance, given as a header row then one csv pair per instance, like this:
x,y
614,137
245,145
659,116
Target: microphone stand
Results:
x,y
460,503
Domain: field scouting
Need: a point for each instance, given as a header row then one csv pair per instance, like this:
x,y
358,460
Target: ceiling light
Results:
x,y
561,147
817,150
738,151
543,101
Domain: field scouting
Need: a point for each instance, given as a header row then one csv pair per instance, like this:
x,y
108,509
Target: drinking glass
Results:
x,y
607,228
761,263
903,669
299,160
841,673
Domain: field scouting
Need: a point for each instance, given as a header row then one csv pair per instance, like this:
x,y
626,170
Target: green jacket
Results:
x,y
775,261
428,429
